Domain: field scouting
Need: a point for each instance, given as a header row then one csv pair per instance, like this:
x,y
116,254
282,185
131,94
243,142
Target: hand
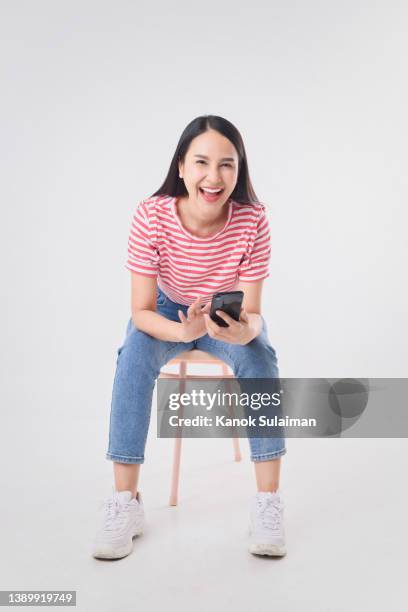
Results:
x,y
193,326
238,332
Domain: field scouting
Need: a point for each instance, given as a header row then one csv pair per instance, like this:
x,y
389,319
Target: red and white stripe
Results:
x,y
187,266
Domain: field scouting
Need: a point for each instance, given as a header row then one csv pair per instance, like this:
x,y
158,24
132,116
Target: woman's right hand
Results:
x,y
193,326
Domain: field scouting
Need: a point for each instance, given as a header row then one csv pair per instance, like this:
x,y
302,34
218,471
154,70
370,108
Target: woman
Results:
x,y
202,232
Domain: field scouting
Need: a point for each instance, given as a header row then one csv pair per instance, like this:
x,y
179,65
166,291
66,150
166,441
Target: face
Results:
x,y
210,164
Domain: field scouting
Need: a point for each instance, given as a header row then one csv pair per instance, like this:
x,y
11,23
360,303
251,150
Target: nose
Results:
x,y
214,175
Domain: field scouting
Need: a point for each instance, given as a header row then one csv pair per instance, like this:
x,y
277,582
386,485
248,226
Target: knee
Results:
x,y
257,360
140,349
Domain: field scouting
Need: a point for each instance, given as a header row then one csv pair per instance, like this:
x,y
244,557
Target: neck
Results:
x,y
198,221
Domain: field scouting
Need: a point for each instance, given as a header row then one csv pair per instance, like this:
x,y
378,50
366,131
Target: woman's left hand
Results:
x,y
238,332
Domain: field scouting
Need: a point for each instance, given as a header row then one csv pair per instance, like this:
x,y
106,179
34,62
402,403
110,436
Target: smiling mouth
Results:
x,y
211,195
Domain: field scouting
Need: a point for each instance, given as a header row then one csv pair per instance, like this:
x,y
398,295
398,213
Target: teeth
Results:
x,y
211,190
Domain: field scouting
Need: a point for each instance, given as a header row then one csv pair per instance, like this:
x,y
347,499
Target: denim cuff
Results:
x,y
123,459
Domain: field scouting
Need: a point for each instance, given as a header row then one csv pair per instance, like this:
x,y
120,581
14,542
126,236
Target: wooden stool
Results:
x,y
182,360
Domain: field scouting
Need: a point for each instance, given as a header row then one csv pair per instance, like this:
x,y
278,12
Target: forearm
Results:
x,y
156,325
254,326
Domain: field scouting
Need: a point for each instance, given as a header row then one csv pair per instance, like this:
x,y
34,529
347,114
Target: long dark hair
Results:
x,y
174,186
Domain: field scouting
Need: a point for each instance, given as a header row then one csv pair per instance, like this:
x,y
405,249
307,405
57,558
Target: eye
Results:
x,y
201,161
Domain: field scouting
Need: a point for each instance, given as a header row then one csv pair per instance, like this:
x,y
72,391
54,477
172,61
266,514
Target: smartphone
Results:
x,y
229,302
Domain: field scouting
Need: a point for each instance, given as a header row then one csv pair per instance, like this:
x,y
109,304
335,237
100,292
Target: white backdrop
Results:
x,y
94,98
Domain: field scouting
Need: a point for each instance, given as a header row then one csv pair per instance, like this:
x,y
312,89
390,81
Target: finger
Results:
x,y
219,336
190,311
244,316
181,316
197,305
206,308
212,326
223,315
194,308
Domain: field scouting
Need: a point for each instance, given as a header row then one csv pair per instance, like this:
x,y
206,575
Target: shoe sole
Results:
x,y
120,552
271,550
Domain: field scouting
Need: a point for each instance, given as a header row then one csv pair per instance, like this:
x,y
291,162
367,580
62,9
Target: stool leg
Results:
x,y
176,472
177,445
235,440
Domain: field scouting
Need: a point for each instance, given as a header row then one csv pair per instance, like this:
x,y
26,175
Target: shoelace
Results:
x,y
115,514
270,513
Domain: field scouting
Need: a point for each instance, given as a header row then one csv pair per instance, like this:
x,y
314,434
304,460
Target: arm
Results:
x,y
253,271
146,319
143,264
252,306
143,307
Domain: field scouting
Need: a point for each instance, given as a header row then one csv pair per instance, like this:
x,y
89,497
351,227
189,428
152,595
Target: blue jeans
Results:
x,y
138,365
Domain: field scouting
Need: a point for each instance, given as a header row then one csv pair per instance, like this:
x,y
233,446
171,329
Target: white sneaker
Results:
x,y
267,536
123,519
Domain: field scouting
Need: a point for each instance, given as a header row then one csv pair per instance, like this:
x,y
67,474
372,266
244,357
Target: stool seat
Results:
x,y
195,356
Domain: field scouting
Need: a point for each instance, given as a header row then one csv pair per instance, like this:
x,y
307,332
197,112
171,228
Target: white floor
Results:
x,y
346,508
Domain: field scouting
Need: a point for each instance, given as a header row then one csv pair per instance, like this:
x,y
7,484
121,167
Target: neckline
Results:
x,y
189,234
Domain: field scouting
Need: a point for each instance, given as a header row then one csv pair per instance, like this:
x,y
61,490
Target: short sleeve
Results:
x,y
143,255
255,264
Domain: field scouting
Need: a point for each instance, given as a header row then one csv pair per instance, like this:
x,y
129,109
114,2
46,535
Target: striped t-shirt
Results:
x,y
187,266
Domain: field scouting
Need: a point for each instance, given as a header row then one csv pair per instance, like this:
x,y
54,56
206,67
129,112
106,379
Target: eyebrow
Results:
x,y
222,159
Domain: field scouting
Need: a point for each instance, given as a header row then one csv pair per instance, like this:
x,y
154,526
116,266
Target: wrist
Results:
x,y
251,332
249,335
254,326
181,333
